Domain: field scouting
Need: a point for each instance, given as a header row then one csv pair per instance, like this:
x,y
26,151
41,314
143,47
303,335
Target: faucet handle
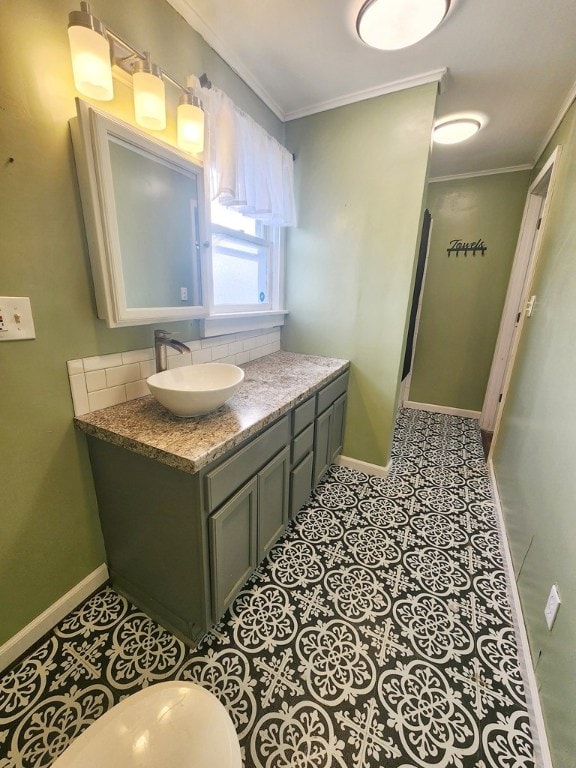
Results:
x,y
161,334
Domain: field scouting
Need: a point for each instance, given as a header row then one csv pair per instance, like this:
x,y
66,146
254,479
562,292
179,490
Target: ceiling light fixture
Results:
x,y
393,24
455,131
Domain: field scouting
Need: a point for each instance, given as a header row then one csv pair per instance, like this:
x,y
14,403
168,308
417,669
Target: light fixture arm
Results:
x,y
124,55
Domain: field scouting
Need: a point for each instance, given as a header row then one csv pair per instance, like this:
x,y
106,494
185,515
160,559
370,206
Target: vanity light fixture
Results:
x,y
455,131
393,24
95,48
190,123
149,94
90,51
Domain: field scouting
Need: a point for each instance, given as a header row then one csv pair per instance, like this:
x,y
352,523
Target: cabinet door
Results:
x,y
301,484
233,546
322,444
337,427
272,501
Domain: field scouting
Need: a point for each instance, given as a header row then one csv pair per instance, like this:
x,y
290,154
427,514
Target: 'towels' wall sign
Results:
x,y
458,247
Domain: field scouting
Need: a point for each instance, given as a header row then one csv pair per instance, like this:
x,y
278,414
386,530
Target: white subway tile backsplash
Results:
x,y
104,380
107,397
75,366
179,361
122,375
102,361
79,394
136,389
137,355
220,351
95,380
235,348
147,368
202,356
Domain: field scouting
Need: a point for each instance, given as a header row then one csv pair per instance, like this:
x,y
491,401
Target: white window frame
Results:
x,y
237,318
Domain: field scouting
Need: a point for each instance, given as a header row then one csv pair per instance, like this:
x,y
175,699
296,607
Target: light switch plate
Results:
x,y
16,321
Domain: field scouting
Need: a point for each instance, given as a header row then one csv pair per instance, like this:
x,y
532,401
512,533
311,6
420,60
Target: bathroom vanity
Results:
x,y
190,507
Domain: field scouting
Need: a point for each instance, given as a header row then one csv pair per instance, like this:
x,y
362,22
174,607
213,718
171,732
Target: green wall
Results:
x,y
463,296
534,458
360,181
49,532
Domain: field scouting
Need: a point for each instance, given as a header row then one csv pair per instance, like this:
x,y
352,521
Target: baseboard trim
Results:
x,y
31,633
364,466
463,413
542,757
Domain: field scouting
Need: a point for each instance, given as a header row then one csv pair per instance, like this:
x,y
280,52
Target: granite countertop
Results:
x,y
272,386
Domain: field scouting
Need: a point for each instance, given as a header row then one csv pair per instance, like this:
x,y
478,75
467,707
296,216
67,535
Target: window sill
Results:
x,y
236,322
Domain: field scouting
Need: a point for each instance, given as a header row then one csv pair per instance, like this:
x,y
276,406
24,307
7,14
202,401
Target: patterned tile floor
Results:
x,y
377,633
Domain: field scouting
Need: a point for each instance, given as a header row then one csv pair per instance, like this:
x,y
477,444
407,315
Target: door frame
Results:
x,y
521,278
406,381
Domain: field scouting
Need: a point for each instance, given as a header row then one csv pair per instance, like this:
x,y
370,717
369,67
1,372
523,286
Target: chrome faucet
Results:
x,y
161,341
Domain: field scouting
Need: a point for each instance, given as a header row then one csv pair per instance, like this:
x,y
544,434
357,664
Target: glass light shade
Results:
x,y
455,131
91,65
393,24
190,118
149,101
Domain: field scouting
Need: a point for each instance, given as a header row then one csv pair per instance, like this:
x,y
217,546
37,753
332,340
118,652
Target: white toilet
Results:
x,y
168,725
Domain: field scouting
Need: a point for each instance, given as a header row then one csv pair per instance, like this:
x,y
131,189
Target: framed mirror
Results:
x,y
144,212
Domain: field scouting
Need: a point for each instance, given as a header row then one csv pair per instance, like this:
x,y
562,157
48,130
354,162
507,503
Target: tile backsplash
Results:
x,y
98,382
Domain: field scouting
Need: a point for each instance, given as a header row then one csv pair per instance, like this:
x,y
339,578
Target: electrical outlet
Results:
x,y
183,294
552,606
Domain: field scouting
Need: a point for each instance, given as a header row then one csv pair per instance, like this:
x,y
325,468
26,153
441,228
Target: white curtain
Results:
x,y
250,171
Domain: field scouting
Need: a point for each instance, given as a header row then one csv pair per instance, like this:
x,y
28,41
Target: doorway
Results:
x,y
416,306
518,304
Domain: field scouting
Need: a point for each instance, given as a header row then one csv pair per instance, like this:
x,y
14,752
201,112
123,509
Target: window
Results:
x,y
246,263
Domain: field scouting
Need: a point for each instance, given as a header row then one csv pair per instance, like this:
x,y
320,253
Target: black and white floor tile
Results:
x,y
377,633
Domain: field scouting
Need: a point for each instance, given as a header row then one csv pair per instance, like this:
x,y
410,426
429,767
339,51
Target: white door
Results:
x,y
517,298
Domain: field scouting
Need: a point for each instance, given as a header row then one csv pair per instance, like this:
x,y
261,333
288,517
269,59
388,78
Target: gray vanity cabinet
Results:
x,y
302,454
182,545
329,425
233,532
245,529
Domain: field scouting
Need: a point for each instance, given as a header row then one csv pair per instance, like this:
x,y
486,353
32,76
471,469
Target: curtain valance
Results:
x,y
250,171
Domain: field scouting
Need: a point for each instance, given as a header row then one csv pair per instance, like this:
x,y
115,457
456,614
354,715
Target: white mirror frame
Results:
x,y
90,132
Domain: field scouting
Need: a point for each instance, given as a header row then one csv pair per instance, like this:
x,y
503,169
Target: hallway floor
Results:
x,y
377,633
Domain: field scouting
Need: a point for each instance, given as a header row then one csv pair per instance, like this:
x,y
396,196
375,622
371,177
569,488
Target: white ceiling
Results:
x,y
512,60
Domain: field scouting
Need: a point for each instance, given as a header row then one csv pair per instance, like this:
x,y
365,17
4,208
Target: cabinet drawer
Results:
x,y
221,482
331,392
303,415
302,444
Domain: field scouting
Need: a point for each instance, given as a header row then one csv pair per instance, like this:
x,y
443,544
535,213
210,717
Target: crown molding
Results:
x,y
567,103
435,76
191,16
492,172
211,38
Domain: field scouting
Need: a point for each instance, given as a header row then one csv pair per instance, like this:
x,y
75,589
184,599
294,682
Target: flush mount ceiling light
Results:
x,y
455,131
393,24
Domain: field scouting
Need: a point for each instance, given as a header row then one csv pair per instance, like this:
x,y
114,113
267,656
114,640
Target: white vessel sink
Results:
x,y
195,389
